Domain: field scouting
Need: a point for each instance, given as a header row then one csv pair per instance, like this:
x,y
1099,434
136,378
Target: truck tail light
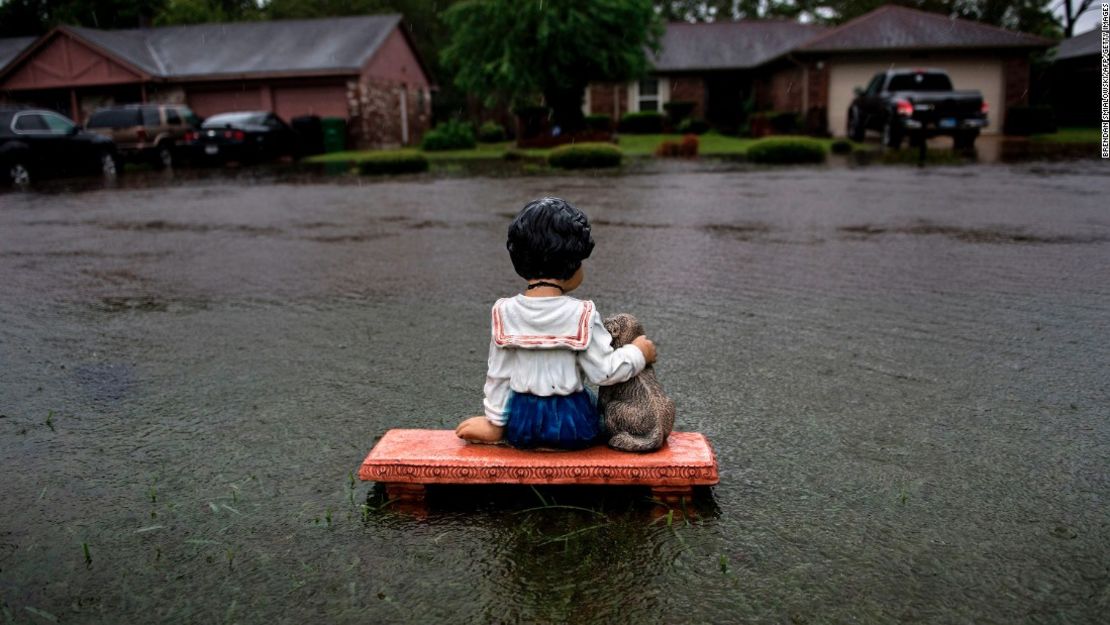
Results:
x,y
903,107
190,136
984,108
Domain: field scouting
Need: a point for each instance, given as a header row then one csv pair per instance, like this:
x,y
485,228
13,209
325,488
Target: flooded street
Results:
x,y
905,375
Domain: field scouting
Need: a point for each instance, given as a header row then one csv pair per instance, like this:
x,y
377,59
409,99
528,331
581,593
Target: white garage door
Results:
x,y
984,75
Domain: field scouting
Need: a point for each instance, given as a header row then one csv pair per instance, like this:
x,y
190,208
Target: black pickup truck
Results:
x,y
916,103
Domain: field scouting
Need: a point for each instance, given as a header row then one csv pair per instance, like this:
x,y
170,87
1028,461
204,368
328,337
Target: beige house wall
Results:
x,y
982,73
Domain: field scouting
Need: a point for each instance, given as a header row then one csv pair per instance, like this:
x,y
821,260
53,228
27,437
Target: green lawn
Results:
x,y
710,144
1070,135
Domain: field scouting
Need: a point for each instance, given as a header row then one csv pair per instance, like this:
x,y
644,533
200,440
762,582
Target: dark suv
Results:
x,y
145,132
36,143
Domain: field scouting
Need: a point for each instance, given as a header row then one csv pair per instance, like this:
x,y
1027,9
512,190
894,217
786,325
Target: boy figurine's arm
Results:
x,y
490,427
496,390
604,365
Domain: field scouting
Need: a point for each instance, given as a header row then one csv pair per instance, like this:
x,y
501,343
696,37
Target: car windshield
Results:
x,y
233,119
114,118
920,81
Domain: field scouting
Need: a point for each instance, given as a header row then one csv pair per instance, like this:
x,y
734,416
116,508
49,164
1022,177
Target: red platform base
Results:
x,y
406,460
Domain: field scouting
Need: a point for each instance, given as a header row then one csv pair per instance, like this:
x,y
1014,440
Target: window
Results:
x,y
30,122
114,118
419,101
172,118
57,124
876,83
190,117
648,95
151,117
920,81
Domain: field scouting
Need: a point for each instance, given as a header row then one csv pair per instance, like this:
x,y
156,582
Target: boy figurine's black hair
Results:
x,y
549,239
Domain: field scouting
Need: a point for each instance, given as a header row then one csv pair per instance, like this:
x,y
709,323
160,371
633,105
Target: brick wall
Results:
x,y
786,89
1015,72
375,113
691,89
608,98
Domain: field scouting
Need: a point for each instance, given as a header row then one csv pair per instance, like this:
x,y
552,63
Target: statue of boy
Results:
x,y
545,342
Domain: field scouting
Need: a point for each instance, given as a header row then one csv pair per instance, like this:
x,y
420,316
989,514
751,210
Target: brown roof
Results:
x,y
729,45
338,45
11,47
1086,44
893,27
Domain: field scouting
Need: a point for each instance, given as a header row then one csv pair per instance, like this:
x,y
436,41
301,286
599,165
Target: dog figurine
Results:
x,y
637,414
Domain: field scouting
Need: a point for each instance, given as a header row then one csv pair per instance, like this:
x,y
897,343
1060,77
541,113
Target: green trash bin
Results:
x,y
335,134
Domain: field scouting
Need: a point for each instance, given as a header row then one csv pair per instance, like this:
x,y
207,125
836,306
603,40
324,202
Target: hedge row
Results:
x,y
450,135
585,156
393,162
641,123
491,132
786,150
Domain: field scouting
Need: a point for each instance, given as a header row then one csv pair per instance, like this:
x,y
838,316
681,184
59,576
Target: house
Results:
x,y
364,69
1074,80
812,70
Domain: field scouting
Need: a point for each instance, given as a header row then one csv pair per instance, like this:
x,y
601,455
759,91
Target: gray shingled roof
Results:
x,y
10,47
729,45
1086,44
893,27
340,44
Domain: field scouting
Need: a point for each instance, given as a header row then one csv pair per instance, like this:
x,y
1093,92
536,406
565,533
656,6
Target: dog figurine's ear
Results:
x,y
624,328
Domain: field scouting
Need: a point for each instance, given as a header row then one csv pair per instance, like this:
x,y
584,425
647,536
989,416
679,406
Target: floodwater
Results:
x,y
904,372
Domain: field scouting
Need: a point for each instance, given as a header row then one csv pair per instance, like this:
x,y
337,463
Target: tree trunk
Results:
x,y
566,109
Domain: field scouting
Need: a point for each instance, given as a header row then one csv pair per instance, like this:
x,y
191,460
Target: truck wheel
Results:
x,y
18,176
892,136
965,140
108,167
856,131
163,156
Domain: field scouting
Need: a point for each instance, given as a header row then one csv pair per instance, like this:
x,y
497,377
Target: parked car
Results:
x,y
36,143
918,103
243,136
145,132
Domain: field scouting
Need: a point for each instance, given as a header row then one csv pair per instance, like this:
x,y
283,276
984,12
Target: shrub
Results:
x,y
393,162
783,150
491,132
642,123
450,135
513,154
687,147
1030,120
679,110
841,146
691,126
585,156
599,123
784,123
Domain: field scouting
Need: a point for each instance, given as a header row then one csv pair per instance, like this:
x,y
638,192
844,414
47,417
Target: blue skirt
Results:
x,y
559,421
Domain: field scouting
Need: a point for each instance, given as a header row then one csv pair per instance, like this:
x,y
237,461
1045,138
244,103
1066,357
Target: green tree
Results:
x,y
1033,16
516,49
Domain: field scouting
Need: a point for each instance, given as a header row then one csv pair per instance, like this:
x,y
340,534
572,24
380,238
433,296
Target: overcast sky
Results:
x,y
1087,21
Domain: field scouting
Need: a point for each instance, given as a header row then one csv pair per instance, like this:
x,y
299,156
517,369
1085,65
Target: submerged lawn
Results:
x,y
1071,135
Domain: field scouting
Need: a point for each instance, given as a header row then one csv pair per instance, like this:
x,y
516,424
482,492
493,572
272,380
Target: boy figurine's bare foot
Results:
x,y
479,430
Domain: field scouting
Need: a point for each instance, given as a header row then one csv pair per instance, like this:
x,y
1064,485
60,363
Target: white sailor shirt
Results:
x,y
546,346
